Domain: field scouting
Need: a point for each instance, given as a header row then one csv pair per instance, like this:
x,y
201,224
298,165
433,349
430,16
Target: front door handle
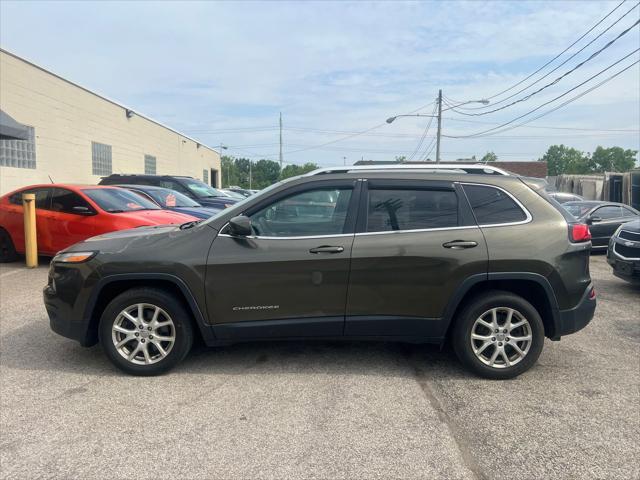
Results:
x,y
327,249
460,244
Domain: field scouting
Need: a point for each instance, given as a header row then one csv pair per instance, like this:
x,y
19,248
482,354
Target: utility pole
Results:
x,y
280,141
439,126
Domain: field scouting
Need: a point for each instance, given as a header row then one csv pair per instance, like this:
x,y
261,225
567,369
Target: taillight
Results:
x,y
592,294
579,232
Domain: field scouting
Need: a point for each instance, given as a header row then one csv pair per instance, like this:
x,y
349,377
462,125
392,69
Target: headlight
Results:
x,y
617,232
74,257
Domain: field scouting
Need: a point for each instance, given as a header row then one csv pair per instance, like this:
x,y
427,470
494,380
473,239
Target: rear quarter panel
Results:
x,y
540,246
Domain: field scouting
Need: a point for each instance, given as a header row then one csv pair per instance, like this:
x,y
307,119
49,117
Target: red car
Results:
x,y
67,214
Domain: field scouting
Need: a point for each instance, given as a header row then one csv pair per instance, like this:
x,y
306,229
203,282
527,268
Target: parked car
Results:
x,y
603,218
245,192
67,214
197,190
425,257
171,200
563,197
232,194
624,252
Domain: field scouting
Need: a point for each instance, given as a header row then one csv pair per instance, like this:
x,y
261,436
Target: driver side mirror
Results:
x,y
593,219
240,226
80,210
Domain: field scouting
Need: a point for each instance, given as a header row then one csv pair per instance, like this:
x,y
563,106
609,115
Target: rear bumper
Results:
x,y
578,317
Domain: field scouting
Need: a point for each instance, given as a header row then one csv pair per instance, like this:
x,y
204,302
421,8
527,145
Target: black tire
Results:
x,y
170,307
7,248
481,305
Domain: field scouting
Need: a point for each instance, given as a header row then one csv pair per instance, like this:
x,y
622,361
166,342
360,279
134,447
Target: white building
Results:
x,y
78,136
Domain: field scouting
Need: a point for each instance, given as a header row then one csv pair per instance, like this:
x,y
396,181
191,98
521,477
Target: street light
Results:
x,y
483,101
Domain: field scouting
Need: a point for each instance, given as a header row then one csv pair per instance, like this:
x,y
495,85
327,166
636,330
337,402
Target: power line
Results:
x,y
556,68
500,128
424,135
527,97
560,54
628,130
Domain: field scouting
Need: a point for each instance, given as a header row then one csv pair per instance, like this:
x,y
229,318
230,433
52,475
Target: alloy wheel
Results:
x,y
501,337
143,334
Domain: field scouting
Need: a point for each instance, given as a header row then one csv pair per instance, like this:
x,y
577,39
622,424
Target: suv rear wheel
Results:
x,y
498,335
145,331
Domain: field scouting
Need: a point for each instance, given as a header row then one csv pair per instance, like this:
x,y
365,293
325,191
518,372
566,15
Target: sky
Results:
x,y
221,72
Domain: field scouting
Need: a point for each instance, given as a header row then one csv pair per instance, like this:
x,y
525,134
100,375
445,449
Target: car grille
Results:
x,y
627,252
629,235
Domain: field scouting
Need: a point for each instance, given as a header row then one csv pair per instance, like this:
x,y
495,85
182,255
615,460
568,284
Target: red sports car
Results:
x,y
67,214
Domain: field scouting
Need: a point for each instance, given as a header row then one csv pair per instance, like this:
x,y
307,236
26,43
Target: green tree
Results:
x,y
489,157
561,159
265,173
614,159
294,170
401,159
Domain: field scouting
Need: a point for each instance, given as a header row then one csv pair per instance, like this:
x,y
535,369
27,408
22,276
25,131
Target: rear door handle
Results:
x,y
460,244
327,249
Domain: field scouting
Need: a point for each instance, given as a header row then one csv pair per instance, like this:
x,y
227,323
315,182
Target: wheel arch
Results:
x,y
110,287
533,287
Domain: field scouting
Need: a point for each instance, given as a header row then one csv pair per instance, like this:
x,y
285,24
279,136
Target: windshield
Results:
x,y
202,190
167,198
577,210
116,200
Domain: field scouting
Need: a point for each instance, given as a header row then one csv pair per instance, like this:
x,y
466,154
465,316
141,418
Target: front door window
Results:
x,y
310,213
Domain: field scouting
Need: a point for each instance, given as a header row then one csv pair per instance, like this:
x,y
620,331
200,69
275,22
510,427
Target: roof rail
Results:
x,y
479,168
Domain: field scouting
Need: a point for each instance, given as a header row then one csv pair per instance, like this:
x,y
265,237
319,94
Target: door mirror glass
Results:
x,y
240,226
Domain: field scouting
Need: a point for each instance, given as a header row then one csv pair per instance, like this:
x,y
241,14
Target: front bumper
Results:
x,y
578,317
66,296
624,268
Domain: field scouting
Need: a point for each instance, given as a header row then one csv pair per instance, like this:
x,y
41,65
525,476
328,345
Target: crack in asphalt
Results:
x,y
462,445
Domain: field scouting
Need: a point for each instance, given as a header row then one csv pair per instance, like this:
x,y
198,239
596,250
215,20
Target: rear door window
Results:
x,y
492,206
411,209
42,197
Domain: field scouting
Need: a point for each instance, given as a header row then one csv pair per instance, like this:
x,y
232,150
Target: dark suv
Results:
x,y
204,194
486,261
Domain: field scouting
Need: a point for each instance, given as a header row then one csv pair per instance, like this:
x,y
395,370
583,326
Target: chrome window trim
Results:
x,y
417,230
262,237
528,215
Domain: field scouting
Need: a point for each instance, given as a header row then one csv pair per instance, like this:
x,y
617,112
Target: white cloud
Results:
x,y
326,65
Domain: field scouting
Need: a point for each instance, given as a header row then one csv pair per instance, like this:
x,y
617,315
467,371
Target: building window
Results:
x,y
100,158
19,153
205,176
149,165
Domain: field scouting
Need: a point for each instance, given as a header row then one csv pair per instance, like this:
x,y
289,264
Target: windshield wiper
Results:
x,y
115,210
190,224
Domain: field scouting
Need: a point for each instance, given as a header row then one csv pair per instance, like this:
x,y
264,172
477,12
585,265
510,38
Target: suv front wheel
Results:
x,y
498,335
145,331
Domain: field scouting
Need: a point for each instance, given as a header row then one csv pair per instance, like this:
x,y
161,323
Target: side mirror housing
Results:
x,y
240,226
594,219
82,210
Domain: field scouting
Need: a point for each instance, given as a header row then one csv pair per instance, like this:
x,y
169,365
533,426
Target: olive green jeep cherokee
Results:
x,y
419,255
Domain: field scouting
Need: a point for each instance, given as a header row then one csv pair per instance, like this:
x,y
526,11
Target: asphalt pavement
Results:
x,y
319,409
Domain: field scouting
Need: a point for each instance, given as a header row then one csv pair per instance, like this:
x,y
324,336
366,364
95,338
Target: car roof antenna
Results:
x,y
51,179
